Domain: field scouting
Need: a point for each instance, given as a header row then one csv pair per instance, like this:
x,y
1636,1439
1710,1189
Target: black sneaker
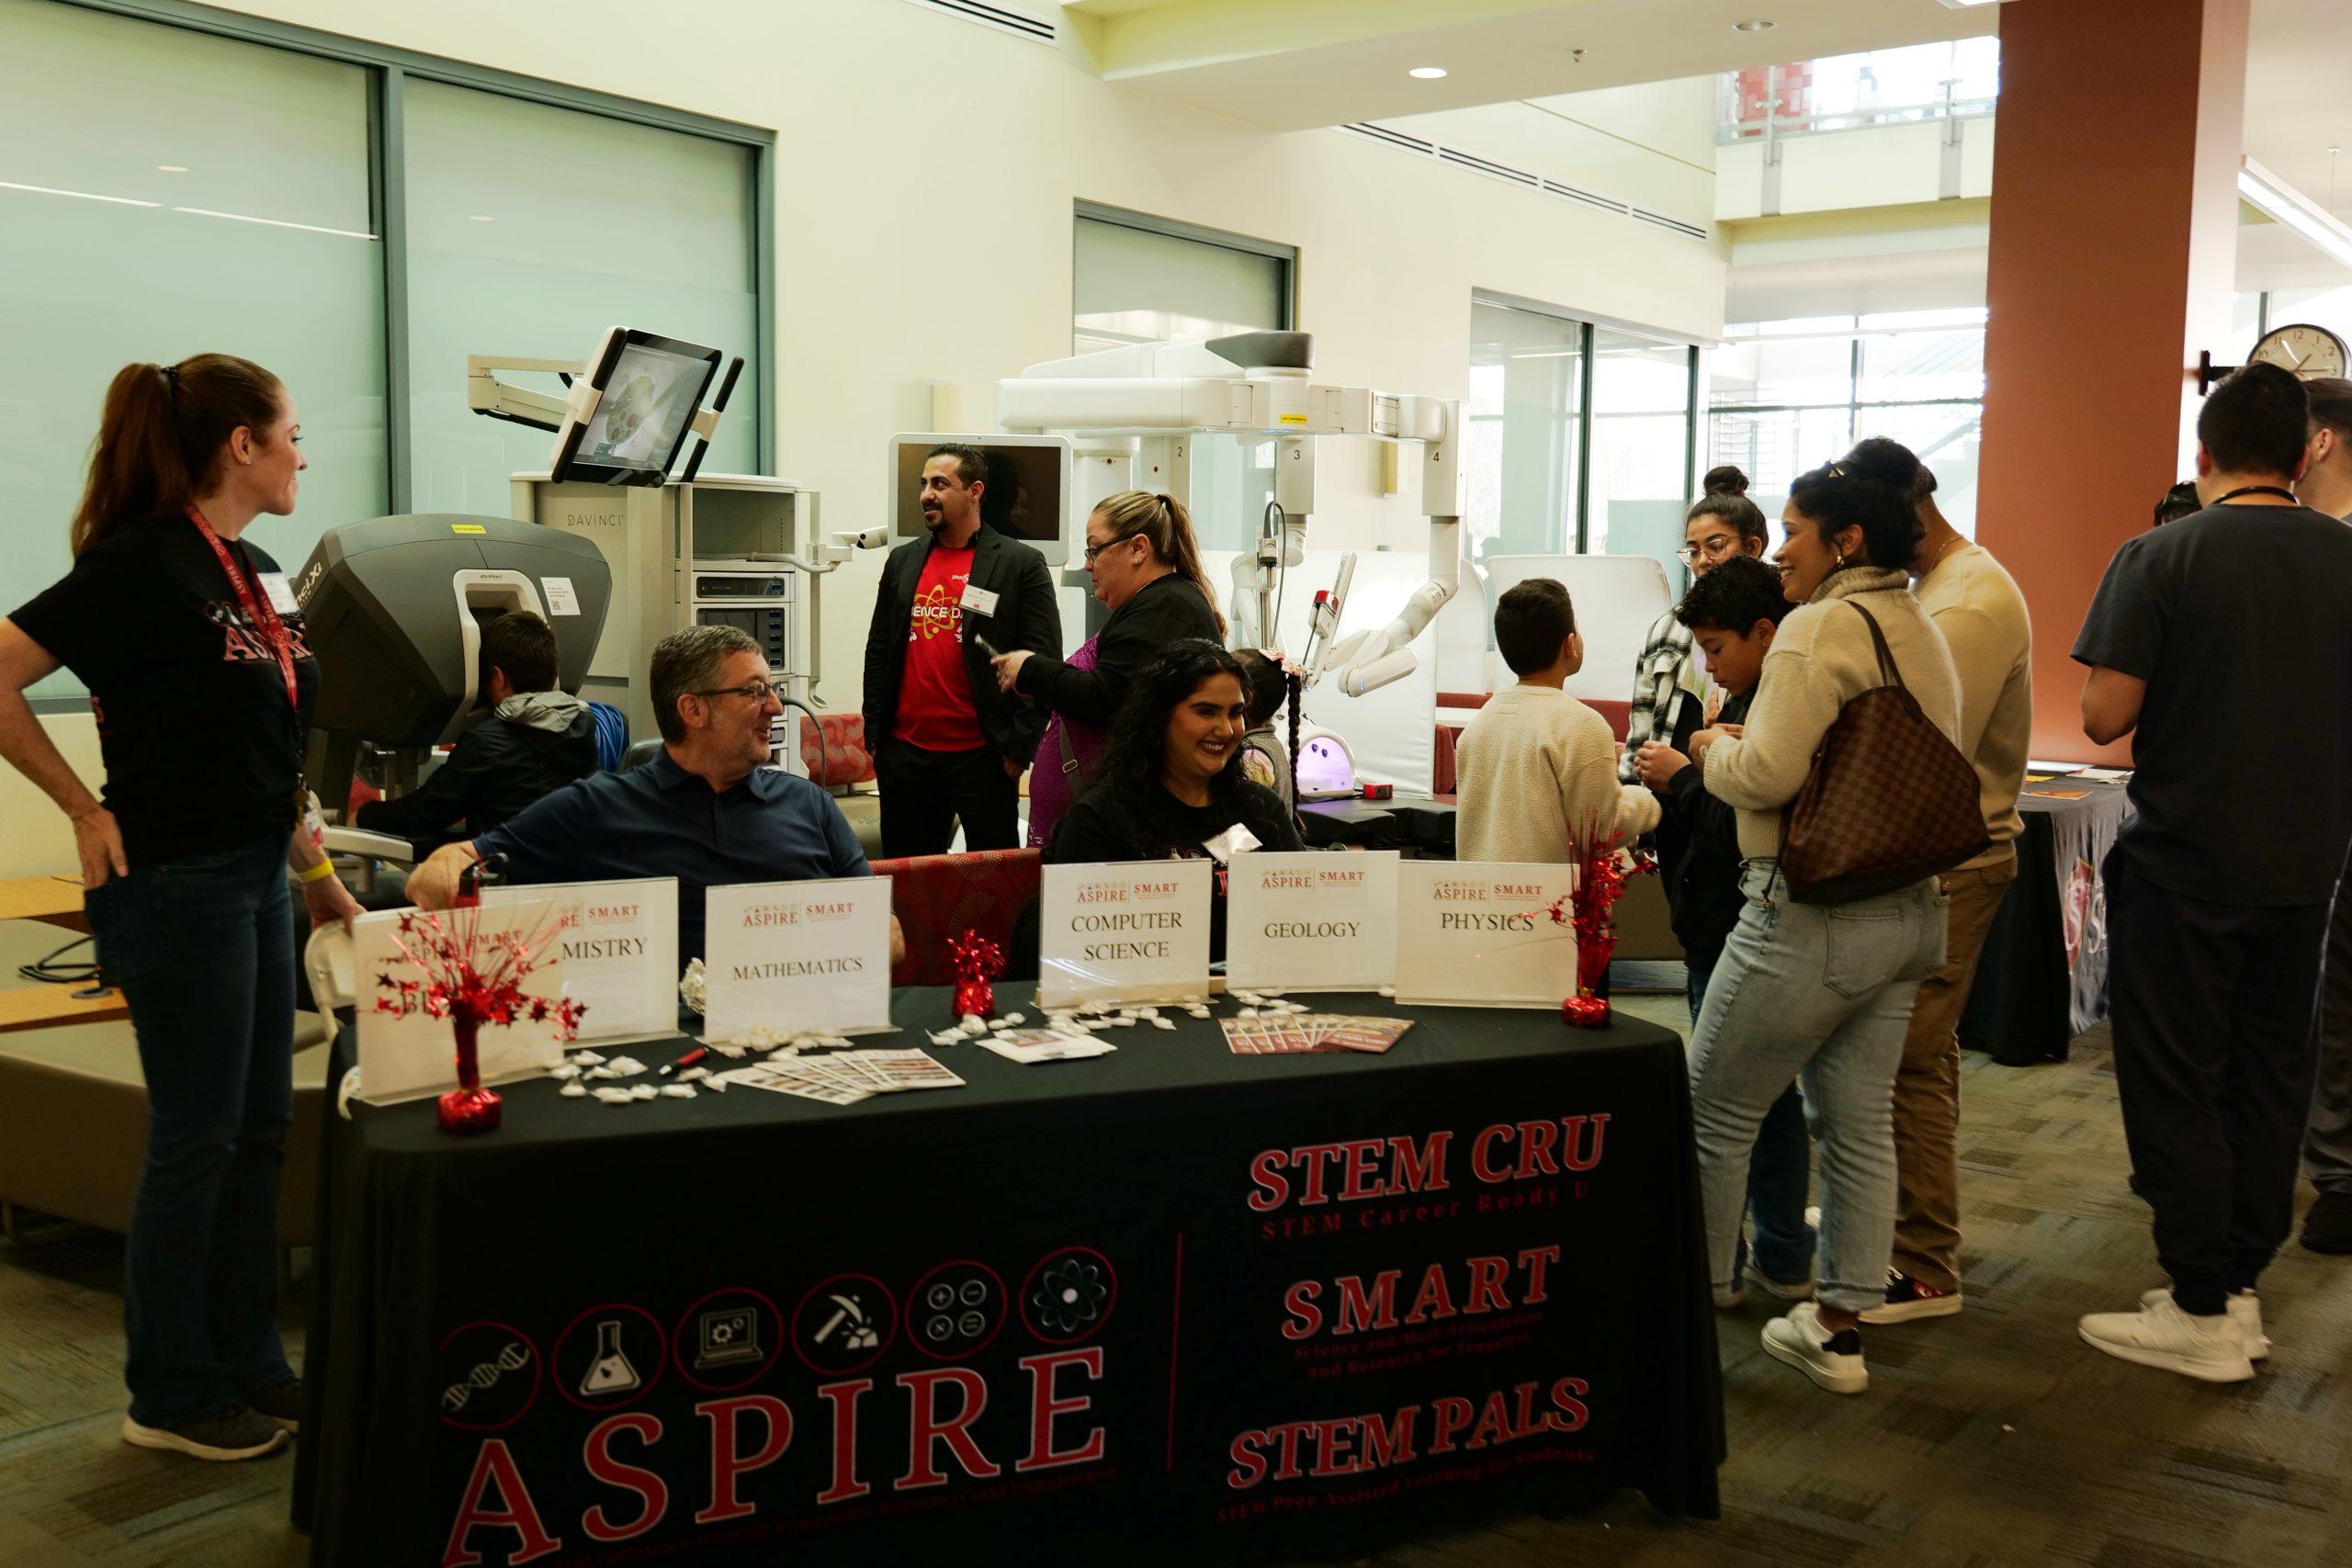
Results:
x,y
2328,1226
1907,1299
233,1433
281,1403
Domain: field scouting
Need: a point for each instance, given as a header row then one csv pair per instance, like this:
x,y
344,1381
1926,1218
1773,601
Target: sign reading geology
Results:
x,y
1312,921
1138,931
798,955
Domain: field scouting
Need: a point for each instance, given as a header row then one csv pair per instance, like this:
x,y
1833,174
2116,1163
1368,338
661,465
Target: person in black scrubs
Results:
x,y
1171,784
192,647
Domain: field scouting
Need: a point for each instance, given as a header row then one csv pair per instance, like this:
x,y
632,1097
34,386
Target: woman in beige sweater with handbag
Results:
x,y
1820,990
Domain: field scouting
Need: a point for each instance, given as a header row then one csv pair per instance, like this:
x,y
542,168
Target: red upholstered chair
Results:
x,y
940,896
1619,715
844,758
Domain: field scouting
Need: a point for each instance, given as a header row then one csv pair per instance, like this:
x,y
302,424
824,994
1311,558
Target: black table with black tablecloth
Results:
x,y
1168,1305
2042,978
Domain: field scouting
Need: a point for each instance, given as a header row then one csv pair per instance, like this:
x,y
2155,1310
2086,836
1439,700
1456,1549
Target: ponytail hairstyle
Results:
x,y
1162,521
163,435
1726,496
1269,686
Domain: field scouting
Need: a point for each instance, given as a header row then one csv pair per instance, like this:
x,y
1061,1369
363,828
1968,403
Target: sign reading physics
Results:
x,y
618,946
798,955
1138,931
1476,934
1311,923
406,1058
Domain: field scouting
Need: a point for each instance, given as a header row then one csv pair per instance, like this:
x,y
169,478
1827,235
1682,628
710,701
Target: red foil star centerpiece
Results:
x,y
1601,875
976,962
473,980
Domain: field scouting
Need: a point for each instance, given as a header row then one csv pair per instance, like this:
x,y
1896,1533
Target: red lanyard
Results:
x,y
260,611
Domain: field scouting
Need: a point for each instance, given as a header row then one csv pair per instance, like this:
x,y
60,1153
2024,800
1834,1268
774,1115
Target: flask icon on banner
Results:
x,y
611,1372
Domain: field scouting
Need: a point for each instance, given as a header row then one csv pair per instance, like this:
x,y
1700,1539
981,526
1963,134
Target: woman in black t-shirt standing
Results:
x,y
191,646
1172,785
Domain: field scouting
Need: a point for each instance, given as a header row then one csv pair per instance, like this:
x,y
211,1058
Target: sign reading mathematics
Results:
x,y
798,955
1309,1326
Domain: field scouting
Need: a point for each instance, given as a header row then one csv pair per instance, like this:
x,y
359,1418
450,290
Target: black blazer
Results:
x,y
1166,609
1025,617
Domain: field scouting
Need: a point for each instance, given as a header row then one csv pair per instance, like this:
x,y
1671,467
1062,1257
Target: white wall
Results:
x,y
926,170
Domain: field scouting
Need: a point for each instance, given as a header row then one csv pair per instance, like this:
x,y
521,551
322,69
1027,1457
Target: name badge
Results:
x,y
619,944
1137,931
1473,934
979,601
1312,922
798,955
281,593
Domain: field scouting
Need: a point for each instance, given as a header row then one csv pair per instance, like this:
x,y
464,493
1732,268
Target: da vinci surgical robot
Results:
x,y
1147,401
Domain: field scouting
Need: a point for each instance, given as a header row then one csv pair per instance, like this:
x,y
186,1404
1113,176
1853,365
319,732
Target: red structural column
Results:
x,y
2113,252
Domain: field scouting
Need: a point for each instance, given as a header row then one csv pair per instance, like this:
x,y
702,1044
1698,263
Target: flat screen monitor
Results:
x,y
1028,487
648,389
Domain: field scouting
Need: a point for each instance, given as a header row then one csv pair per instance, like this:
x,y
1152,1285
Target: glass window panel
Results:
x,y
1526,380
262,247
1768,371
1138,286
1910,367
2329,308
1641,447
2246,326
1772,446
531,230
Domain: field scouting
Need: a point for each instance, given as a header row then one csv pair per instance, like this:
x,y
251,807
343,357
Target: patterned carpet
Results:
x,y
1993,1438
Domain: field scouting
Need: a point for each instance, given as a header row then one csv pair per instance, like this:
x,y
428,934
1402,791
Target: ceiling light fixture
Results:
x,y
2283,202
1426,72
480,218
1966,4
171,168
1754,25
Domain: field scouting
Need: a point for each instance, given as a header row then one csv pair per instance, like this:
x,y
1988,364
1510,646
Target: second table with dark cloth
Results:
x,y
2042,978
1166,1305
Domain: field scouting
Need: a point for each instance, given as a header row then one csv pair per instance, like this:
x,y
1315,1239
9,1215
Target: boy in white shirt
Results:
x,y
1536,771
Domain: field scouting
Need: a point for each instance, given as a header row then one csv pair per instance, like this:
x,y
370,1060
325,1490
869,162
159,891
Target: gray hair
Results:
x,y
688,660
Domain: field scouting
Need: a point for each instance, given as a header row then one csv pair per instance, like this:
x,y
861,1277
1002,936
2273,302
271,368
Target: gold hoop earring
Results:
x,y
1841,562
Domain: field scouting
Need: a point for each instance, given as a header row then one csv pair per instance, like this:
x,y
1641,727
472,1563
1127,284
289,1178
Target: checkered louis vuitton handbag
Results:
x,y
1889,802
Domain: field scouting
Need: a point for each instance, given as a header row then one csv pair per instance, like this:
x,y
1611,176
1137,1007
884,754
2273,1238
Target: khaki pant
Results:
x,y
1926,1086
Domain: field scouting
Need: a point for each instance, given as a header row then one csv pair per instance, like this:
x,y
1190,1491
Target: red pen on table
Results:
x,y
688,1060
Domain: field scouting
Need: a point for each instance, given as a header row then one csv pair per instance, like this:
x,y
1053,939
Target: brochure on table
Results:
x,y
408,1058
1132,931
798,955
618,946
1311,923
1474,933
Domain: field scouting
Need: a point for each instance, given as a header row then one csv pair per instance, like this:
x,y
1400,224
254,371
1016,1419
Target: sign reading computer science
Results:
x,y
1138,931
1485,934
618,945
1312,922
798,955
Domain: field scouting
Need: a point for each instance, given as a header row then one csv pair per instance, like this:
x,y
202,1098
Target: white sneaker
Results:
x,y
2212,1350
1799,1291
1832,1360
2245,1314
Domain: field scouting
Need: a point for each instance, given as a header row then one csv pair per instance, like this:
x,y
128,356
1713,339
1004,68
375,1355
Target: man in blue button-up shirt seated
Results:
x,y
705,810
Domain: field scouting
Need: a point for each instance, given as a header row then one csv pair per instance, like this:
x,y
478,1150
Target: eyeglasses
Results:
x,y
758,691
1709,549
1093,550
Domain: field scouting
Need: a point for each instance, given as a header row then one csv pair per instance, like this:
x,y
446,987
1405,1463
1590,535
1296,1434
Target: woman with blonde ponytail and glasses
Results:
x,y
191,646
1147,569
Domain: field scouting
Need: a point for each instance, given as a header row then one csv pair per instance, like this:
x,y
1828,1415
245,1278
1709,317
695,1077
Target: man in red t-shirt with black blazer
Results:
x,y
946,743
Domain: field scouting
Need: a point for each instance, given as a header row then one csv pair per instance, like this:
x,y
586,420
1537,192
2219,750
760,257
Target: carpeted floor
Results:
x,y
1993,1438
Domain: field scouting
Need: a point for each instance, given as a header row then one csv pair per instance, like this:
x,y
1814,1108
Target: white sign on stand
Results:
x,y
1473,933
1134,931
798,955
618,945
1312,921
407,1058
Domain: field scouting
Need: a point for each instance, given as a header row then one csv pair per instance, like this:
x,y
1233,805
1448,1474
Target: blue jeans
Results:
x,y
1821,991
1777,1171
203,950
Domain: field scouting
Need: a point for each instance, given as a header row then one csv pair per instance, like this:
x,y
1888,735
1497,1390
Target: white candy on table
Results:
x,y
566,1070
614,1096
947,1036
625,1066
1163,1024
692,1074
1016,1018
970,1019
1250,1013
602,1073
589,1058
644,1092
1000,1025
574,1090
678,1091
1387,991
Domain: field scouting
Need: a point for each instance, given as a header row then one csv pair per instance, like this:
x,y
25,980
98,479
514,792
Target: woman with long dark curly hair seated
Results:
x,y
1170,784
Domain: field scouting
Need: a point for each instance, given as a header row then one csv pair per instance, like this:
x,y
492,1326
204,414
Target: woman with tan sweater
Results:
x,y
1823,991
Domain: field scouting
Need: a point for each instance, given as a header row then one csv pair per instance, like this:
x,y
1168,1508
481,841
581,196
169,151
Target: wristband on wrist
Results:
x,y
318,873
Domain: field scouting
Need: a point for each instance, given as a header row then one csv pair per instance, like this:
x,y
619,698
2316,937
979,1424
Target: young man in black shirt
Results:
x,y
1731,614
2210,638
536,739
